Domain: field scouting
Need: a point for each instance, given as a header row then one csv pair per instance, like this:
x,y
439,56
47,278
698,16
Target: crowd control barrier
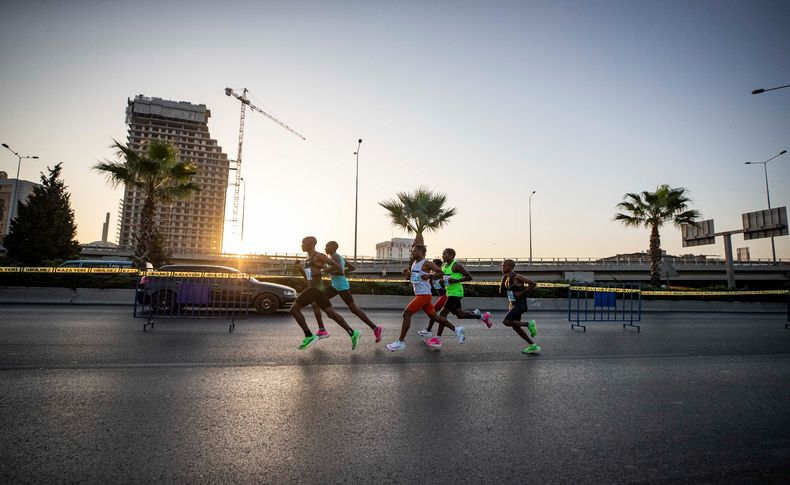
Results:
x,y
604,303
170,295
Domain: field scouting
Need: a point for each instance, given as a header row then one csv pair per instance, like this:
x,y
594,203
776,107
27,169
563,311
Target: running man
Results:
x,y
419,275
340,286
453,275
513,286
311,270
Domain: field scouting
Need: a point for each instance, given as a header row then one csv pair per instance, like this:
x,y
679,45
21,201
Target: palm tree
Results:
x,y
160,176
652,210
418,212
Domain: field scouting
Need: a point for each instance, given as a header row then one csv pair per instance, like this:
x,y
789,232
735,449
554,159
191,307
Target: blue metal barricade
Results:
x,y
171,295
591,302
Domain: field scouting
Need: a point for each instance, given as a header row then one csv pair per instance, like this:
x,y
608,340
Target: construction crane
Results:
x,y
244,103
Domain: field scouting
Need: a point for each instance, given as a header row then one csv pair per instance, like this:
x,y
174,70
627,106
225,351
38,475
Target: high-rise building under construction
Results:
x,y
195,224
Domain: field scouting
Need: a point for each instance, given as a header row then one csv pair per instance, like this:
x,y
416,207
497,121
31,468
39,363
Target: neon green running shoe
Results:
x,y
532,349
308,341
355,339
533,330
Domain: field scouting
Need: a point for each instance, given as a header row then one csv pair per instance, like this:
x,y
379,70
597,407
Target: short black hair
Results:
x,y
451,251
420,246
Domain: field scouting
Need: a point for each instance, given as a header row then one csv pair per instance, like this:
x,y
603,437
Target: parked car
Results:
x,y
170,294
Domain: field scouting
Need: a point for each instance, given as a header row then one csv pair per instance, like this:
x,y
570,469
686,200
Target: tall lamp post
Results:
x,y
767,193
243,207
13,209
760,91
530,225
356,198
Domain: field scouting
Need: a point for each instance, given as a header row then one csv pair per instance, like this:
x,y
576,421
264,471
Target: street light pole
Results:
x,y
356,198
13,209
760,91
768,193
530,225
243,207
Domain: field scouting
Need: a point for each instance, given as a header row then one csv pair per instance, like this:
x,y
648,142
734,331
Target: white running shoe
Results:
x,y
477,312
396,346
459,332
425,333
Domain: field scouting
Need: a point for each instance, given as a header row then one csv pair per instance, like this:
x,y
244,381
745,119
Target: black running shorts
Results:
x,y
453,303
311,295
345,295
518,308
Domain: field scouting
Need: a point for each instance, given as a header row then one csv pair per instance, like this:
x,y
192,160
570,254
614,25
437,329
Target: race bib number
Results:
x,y
437,284
415,278
308,273
510,296
446,280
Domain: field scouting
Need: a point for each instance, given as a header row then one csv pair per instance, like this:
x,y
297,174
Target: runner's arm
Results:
x,y
336,259
334,268
530,284
350,267
432,268
299,268
465,275
502,289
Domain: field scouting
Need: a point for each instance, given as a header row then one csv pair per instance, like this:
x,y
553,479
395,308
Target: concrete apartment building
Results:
x,y
193,225
25,188
396,248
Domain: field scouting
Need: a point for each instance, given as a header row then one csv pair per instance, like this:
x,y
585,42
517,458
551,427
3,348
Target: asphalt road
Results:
x,y
86,396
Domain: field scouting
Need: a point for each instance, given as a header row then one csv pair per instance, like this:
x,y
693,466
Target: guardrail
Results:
x,y
613,260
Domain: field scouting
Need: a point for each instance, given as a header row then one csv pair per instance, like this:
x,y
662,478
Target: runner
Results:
x,y
419,278
311,270
438,288
513,286
454,274
340,286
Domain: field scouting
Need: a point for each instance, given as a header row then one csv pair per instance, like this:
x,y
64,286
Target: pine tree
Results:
x,y
44,227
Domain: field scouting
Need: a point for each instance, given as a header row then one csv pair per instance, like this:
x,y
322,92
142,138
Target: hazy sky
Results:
x,y
485,101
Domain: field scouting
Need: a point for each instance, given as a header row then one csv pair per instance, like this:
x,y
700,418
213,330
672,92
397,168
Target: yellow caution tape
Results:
x,y
599,289
714,293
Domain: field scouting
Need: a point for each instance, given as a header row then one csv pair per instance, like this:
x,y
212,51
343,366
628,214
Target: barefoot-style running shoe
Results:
x,y
396,346
532,329
459,332
424,333
486,318
355,339
308,341
322,333
434,343
532,349
377,333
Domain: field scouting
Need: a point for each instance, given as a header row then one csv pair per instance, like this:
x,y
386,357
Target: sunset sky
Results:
x,y
485,101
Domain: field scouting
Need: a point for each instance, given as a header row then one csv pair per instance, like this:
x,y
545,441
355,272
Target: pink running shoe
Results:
x,y
486,318
377,333
434,343
322,334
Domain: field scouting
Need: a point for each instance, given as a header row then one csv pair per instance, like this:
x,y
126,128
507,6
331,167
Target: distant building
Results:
x,y
193,225
25,188
395,248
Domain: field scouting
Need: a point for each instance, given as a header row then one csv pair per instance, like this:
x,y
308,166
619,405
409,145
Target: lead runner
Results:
x,y
311,269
